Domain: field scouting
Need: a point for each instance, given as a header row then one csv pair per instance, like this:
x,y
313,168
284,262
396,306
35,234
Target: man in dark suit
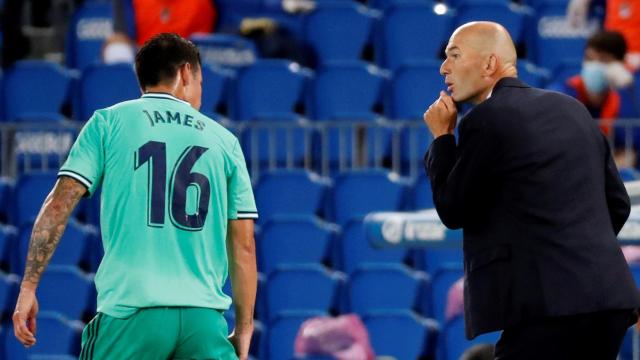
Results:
x,y
532,183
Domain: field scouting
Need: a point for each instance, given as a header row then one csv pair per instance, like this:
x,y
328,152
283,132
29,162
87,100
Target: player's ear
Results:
x,y
186,73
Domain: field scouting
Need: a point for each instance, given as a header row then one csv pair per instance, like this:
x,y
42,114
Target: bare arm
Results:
x,y
46,234
244,277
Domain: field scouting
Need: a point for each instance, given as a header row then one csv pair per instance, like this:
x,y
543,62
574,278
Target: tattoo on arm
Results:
x,y
50,225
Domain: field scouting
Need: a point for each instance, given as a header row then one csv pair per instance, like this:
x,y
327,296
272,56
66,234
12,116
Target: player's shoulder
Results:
x,y
112,112
225,137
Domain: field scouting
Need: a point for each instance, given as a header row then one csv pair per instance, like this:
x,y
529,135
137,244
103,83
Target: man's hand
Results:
x,y
24,317
241,341
441,116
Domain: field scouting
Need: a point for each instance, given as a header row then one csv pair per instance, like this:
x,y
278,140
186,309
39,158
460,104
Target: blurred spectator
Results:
x,y
620,15
605,87
136,21
274,40
455,300
343,338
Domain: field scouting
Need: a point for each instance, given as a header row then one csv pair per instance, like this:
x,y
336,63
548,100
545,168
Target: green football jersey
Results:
x,y
171,179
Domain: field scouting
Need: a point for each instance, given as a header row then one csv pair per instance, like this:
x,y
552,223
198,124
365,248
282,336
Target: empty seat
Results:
x,y
355,250
9,285
284,289
225,50
358,193
510,16
455,342
35,90
422,194
403,30
270,91
304,195
30,193
291,240
6,193
72,250
554,39
441,282
338,31
282,333
435,259
532,75
401,334
102,86
57,335
8,242
90,26
385,287
71,302
215,86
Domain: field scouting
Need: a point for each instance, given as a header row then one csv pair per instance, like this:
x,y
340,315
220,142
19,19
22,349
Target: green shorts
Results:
x,y
158,334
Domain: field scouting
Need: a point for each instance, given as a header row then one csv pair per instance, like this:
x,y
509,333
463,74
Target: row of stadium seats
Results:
x,y
341,30
351,90
347,197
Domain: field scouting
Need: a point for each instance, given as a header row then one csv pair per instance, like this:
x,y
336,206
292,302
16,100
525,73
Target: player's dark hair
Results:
x,y
161,56
610,42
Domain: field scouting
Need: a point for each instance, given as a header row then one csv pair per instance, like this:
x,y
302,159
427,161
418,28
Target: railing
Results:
x,y
326,147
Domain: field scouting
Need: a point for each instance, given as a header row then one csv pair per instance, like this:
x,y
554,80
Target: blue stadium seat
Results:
x,y
320,286
511,16
455,342
8,241
532,75
356,251
441,281
6,193
104,85
626,350
35,90
435,259
567,69
71,302
9,285
42,147
379,287
304,196
215,86
282,333
401,334
72,250
90,26
413,88
30,192
352,194
295,239
225,50
553,39
629,174
422,195
269,91
403,28
361,88
338,31
57,335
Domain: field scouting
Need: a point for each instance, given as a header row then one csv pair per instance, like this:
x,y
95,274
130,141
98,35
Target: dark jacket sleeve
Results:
x,y
617,198
460,175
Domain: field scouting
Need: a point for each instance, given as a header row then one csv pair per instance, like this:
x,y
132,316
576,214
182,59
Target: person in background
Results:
x,y
605,87
620,15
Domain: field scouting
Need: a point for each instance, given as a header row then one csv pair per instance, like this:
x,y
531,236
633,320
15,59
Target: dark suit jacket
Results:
x,y
534,187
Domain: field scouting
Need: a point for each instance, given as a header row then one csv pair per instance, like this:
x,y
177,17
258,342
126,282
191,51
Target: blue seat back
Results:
x,y
355,250
304,195
225,50
413,88
282,333
90,26
508,15
31,190
291,240
400,334
215,85
360,89
35,89
268,90
102,86
284,284
422,194
353,194
74,300
57,335
442,281
532,75
384,287
402,34
338,31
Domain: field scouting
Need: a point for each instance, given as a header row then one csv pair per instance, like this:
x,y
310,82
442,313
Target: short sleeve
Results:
x,y
242,204
85,162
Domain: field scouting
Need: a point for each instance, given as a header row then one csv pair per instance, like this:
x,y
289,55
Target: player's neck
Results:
x,y
165,89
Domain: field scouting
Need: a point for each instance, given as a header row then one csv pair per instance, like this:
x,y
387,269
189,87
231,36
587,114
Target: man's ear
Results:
x,y
186,72
491,65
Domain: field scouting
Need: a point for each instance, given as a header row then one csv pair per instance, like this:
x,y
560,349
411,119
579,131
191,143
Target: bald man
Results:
x,y
532,183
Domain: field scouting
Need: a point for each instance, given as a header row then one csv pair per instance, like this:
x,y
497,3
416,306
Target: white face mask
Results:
x,y
618,75
118,52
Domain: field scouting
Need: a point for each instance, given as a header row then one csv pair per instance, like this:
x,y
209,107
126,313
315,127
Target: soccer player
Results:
x,y
177,214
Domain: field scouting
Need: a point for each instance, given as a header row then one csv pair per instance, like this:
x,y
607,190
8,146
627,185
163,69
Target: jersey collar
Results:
x,y
161,95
